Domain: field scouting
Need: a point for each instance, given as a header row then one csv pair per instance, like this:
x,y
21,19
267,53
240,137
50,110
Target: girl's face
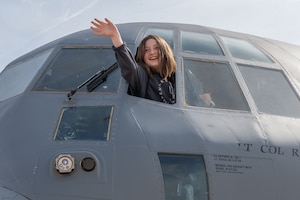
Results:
x,y
152,55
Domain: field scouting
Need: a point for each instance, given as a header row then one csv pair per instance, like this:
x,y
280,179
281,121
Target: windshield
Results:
x,y
212,85
23,72
271,91
73,66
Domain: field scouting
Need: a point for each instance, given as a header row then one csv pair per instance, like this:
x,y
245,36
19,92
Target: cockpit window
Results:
x,y
271,91
84,123
244,50
200,43
73,66
22,72
212,85
164,33
184,177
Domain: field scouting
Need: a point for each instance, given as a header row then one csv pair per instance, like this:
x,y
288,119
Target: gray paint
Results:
x,y
265,147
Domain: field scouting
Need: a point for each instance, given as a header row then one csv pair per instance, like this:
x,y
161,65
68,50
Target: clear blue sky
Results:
x,y
28,24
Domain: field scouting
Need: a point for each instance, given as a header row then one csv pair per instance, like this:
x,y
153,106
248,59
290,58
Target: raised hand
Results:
x,y
108,29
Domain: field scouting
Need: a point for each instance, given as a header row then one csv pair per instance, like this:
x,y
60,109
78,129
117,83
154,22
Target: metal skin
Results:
x,y
247,154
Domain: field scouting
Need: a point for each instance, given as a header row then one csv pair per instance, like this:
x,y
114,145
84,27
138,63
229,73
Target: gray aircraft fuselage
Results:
x,y
103,143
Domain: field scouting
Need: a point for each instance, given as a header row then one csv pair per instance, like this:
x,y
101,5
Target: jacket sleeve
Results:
x,y
135,75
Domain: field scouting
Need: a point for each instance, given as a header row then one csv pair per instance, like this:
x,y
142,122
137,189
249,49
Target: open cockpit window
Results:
x,y
244,50
271,91
73,66
212,85
84,123
166,34
200,43
184,177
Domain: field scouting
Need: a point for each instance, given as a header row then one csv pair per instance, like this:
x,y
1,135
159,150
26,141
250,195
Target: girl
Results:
x,y
151,74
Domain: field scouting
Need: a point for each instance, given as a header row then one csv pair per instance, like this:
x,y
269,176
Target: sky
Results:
x,y
28,24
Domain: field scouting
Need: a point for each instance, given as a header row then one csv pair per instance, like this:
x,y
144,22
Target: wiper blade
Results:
x,y
94,81
100,77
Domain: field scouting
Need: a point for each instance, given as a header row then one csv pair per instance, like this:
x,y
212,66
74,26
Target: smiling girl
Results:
x,y
151,74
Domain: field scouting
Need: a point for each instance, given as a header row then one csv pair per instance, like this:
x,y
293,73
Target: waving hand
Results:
x,y
108,29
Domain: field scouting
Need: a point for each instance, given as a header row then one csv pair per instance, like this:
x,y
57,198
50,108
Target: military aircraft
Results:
x,y
70,129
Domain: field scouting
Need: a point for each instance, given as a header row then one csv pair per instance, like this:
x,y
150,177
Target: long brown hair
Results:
x,y
168,64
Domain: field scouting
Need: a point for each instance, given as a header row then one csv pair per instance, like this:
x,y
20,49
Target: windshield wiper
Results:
x,y
94,81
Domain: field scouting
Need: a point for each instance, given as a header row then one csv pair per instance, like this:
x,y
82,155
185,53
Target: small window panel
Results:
x,y
212,85
14,80
84,123
164,33
271,91
200,43
184,177
73,66
244,50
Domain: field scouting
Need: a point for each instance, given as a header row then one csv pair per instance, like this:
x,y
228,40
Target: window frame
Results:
x,y
62,120
286,83
39,86
245,107
192,180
